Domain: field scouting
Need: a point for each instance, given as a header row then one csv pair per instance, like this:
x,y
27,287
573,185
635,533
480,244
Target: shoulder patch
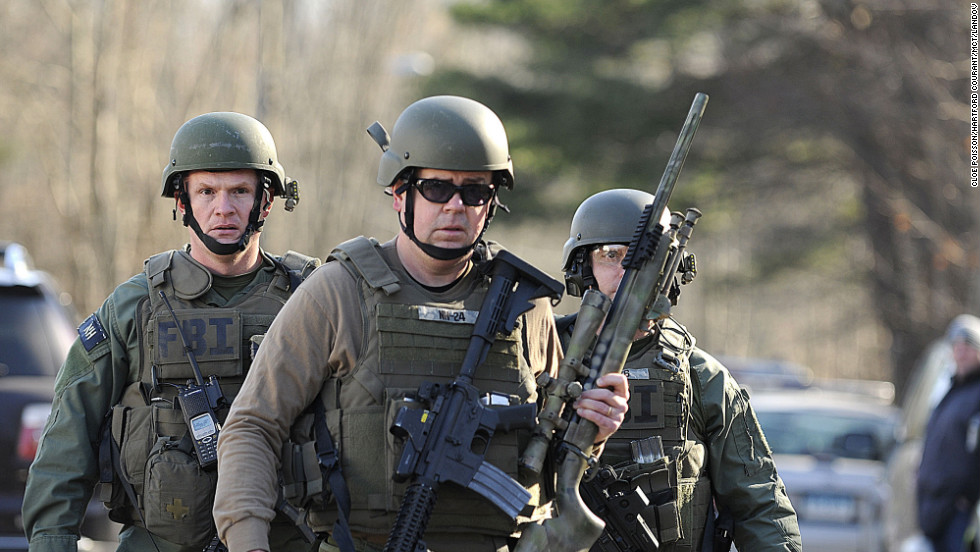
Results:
x,y
91,333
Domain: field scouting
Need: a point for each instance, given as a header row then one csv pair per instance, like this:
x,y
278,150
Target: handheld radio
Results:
x,y
198,401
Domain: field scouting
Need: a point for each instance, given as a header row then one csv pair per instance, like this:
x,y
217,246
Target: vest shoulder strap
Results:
x,y
189,279
676,342
297,267
295,261
365,256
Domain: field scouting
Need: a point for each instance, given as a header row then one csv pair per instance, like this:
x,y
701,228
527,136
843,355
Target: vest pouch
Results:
x,y
135,430
126,429
658,480
132,429
395,400
302,482
178,494
694,494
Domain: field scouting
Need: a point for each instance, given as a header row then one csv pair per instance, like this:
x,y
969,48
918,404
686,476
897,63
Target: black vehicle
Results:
x,y
37,326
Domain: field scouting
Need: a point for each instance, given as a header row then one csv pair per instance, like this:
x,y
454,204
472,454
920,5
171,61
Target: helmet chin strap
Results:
x,y
434,251
254,224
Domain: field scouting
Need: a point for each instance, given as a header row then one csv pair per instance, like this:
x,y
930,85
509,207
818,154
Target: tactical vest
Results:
x,y
410,339
661,396
152,451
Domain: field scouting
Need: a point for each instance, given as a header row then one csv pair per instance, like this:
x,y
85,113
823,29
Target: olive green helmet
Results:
x,y
610,216
445,132
223,141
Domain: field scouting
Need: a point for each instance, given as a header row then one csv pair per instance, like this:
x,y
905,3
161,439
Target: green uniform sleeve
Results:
x,y
740,463
95,373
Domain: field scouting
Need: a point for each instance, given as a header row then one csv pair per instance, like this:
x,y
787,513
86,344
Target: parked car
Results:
x,y
764,374
930,381
36,329
830,449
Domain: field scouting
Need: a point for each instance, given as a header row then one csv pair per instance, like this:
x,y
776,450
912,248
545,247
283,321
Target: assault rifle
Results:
x,y
637,501
653,259
447,439
624,510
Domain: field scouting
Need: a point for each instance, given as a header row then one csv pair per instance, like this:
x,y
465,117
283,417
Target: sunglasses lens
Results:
x,y
436,191
440,191
476,194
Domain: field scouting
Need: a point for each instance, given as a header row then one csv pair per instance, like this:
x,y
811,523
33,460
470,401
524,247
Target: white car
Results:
x,y
830,449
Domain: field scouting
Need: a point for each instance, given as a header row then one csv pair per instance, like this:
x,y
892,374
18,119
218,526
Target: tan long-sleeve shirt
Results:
x,y
318,335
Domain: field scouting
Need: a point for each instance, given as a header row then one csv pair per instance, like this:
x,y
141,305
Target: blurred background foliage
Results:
x,y
840,229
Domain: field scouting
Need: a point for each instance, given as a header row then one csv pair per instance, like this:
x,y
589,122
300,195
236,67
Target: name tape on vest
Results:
x,y
456,316
637,373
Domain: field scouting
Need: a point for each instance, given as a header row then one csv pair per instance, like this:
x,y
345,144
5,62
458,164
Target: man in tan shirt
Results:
x,y
366,329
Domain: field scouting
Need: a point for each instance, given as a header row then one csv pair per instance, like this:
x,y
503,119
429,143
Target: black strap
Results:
x,y
106,471
330,468
295,277
295,515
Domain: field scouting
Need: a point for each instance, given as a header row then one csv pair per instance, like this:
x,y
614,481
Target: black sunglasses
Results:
x,y
441,191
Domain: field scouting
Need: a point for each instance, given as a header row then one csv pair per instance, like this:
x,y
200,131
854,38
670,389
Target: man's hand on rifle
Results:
x,y
605,404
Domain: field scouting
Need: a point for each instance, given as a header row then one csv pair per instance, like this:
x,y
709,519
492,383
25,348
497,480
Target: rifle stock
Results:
x,y
653,257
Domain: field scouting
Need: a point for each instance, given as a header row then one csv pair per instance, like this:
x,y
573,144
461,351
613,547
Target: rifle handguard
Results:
x,y
566,387
413,517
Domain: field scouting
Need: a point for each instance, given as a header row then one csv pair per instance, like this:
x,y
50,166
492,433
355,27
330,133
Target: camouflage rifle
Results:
x,y
448,439
645,292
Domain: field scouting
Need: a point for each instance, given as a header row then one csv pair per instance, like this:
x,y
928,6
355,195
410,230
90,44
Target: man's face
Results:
x,y
966,357
221,202
607,267
451,224
607,262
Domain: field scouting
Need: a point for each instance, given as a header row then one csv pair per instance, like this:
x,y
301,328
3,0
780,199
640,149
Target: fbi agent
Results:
x,y
115,418
375,322
679,393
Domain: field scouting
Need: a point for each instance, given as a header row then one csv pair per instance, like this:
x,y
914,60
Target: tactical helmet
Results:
x,y
445,132
609,216
223,141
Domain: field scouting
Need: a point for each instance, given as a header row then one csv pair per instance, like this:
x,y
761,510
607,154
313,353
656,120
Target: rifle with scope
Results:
x,y
646,292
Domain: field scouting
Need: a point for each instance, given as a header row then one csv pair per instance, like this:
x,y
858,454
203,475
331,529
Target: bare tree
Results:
x,y
95,89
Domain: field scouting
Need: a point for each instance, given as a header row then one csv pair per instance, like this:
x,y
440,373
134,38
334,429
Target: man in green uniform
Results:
x,y
116,418
685,397
378,320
